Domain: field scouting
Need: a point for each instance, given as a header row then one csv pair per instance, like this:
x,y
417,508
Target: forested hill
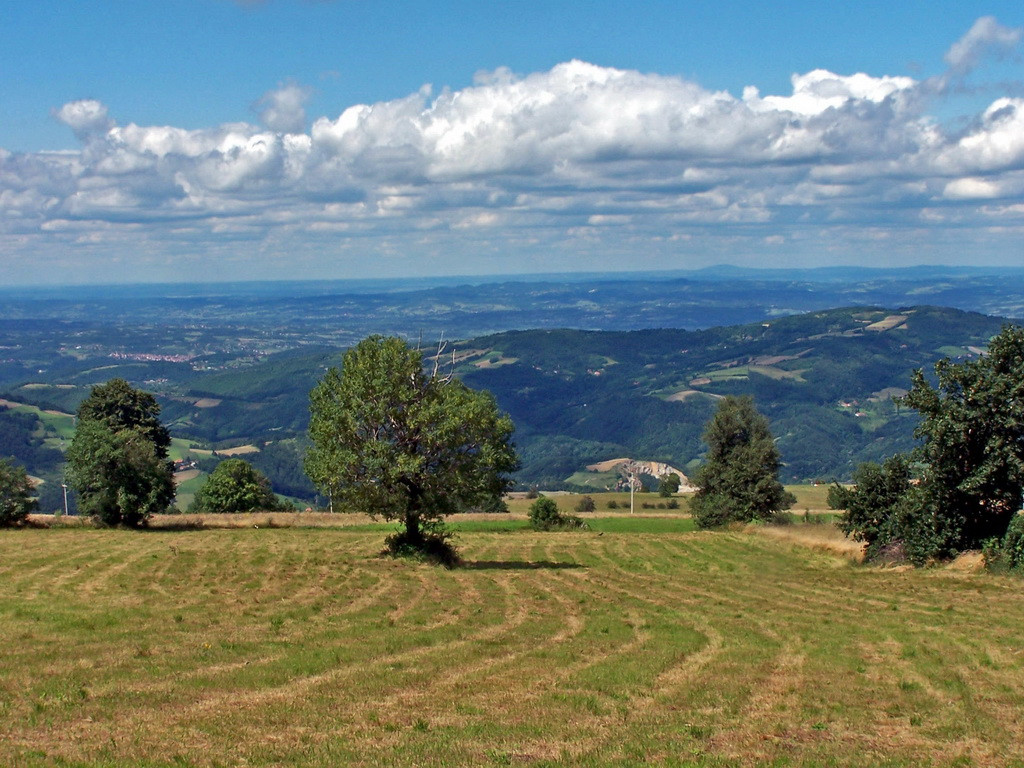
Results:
x,y
824,379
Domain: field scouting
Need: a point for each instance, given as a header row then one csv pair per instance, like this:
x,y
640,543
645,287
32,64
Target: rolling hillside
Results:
x,y
825,380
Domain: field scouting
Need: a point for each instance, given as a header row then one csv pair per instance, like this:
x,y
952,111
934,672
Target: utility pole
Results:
x,y
65,487
632,487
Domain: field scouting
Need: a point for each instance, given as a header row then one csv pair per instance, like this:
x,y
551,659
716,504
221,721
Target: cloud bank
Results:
x,y
581,166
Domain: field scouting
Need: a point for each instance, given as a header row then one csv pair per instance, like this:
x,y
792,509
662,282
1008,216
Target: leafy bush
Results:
x,y
871,504
544,516
668,485
586,504
1013,543
544,512
1008,552
889,514
613,504
15,495
235,486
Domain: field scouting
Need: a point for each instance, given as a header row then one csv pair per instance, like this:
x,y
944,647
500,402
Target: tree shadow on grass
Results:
x,y
517,565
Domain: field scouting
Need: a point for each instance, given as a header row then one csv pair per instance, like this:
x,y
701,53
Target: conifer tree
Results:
x,y
739,480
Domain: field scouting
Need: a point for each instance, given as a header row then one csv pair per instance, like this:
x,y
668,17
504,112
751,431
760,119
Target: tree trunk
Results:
x,y
413,533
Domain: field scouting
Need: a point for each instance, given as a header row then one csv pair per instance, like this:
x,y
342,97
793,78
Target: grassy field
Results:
x,y
623,646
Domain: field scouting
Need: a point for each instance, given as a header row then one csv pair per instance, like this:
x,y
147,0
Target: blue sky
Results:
x,y
212,140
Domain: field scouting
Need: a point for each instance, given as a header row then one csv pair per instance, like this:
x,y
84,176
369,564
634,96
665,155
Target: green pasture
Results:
x,y
186,491
180,448
596,480
58,425
631,647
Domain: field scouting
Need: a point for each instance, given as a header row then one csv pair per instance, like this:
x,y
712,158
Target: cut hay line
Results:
x,y
486,673
465,600
669,682
772,698
300,688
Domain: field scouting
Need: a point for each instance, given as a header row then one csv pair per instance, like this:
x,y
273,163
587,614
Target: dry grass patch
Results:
x,y
607,466
826,538
241,450
887,323
184,477
685,394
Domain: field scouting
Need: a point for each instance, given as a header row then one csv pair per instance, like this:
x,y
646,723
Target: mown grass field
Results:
x,y
635,646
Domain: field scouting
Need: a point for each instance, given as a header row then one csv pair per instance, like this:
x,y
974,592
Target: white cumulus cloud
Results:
x,y
584,160
986,36
85,117
284,109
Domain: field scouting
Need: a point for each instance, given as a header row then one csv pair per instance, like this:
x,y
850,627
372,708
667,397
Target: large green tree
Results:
x,y
970,464
117,461
235,486
972,427
118,405
16,494
392,439
738,481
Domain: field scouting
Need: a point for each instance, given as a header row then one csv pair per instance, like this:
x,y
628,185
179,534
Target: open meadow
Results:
x,y
635,643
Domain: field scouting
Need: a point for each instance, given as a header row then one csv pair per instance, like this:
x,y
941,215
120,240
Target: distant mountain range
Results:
x,y
283,315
